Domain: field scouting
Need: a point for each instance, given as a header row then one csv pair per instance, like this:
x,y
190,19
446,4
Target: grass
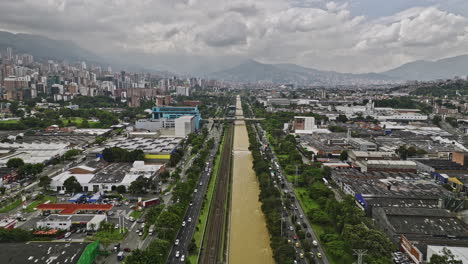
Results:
x,y
79,120
203,217
304,200
11,206
136,214
31,206
11,121
112,236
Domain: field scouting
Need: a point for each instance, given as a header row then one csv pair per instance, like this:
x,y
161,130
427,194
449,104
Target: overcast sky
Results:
x,y
346,36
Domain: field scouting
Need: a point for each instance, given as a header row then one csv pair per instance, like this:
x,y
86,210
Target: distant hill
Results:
x,y
431,70
254,72
43,48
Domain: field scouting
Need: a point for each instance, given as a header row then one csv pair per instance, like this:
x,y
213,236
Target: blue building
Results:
x,y
170,112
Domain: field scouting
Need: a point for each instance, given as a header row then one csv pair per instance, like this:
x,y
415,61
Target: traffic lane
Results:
x,y
186,233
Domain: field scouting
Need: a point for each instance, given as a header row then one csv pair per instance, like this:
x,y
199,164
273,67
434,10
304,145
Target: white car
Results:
x,y
176,242
183,223
116,226
177,254
315,243
190,219
182,259
195,191
142,225
131,219
291,228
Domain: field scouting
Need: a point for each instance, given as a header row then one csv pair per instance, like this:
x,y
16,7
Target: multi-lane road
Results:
x,y
185,233
298,211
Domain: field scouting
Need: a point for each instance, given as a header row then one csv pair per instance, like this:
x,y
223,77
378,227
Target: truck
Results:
x,y
150,202
151,230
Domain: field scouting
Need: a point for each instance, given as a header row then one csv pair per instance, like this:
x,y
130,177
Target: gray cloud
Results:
x,y
316,33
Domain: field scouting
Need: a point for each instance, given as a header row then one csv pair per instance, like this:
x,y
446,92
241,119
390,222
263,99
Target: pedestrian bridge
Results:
x,y
237,118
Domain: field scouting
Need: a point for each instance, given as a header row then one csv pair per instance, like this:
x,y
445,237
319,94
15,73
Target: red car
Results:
x,y
294,237
127,249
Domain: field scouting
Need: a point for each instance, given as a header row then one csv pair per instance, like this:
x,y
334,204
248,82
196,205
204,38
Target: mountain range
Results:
x,y
244,70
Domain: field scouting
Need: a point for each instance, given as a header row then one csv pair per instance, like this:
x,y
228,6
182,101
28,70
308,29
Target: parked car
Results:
x,y
176,242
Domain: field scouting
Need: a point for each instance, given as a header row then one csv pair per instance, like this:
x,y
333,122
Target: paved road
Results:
x,y
288,187
185,233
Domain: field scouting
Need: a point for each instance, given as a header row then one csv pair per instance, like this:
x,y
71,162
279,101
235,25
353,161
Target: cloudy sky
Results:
x,y
341,35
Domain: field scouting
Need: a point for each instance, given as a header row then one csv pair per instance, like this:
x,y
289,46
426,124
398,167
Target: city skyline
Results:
x,y
325,35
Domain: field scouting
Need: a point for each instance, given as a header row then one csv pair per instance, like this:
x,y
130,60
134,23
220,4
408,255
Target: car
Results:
x,y
304,225
131,219
140,221
309,234
67,235
294,237
183,223
68,239
141,233
116,226
176,242
301,216
289,241
291,228
301,255
182,259
191,203
319,255
201,183
190,219
142,225
195,191
177,254
297,244
315,243
117,247
127,249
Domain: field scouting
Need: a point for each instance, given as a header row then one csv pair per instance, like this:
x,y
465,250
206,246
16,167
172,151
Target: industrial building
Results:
x,y
68,222
107,177
387,165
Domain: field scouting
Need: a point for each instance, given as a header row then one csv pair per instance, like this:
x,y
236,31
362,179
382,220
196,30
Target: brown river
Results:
x,y
248,235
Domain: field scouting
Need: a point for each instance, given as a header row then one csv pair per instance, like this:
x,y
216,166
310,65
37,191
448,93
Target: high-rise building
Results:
x,y
9,53
183,91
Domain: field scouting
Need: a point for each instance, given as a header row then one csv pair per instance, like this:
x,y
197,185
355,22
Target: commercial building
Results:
x,y
176,112
67,222
304,123
184,125
159,148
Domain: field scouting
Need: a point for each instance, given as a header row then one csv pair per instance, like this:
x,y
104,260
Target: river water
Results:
x,y
248,235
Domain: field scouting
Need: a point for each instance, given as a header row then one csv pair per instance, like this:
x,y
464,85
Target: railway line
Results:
x,y
212,251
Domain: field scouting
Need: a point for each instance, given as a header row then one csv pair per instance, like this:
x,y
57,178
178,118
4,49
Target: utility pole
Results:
x,y
360,253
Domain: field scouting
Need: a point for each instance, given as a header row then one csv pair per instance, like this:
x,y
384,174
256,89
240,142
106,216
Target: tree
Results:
x,y
44,182
139,185
72,185
2,190
436,120
342,119
446,258
121,189
344,155
71,153
30,169
15,163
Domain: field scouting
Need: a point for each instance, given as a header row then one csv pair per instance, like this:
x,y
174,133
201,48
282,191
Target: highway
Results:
x,y
298,211
185,233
